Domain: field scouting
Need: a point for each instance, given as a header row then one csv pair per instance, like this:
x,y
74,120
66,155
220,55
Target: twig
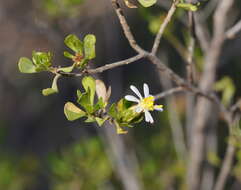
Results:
x,y
202,33
163,27
164,69
232,32
105,67
191,46
168,92
226,167
125,27
117,64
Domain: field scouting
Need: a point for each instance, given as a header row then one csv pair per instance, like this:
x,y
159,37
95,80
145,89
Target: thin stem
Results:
x,y
226,168
163,27
168,92
232,32
128,34
105,67
191,46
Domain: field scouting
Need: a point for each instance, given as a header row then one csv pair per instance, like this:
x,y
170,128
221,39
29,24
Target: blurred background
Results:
x,y
41,150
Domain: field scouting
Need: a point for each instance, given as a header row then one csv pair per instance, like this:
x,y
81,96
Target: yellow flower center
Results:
x,y
147,103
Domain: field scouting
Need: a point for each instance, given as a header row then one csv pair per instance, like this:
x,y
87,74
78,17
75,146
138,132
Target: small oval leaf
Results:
x,y
74,43
147,3
89,46
25,65
72,112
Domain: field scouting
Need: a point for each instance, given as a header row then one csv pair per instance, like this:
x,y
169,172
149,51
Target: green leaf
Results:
x,y
67,69
53,89
227,87
89,85
89,46
147,3
74,43
119,130
72,112
25,65
188,6
68,55
100,121
42,60
48,91
99,105
90,119
84,101
112,111
79,94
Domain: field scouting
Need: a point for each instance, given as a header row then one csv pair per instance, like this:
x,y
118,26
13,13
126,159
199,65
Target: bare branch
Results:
x,y
232,32
191,47
105,67
168,92
164,69
202,33
163,27
125,27
226,168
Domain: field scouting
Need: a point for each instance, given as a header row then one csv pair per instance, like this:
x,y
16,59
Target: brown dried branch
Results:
x,y
128,34
226,167
232,32
103,68
169,92
191,46
163,26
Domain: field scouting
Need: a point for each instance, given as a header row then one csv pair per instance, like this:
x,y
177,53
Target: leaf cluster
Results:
x,y
121,114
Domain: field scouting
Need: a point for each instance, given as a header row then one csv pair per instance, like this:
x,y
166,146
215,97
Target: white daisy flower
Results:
x,y
145,104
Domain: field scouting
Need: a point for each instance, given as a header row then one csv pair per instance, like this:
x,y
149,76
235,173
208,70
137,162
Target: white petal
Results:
x,y
146,90
134,89
132,98
148,117
138,109
158,109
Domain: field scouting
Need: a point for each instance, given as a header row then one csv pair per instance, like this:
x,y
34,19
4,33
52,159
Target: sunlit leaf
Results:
x,y
147,3
25,65
112,111
68,55
72,112
84,101
89,46
74,43
88,83
188,6
90,119
100,121
42,60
